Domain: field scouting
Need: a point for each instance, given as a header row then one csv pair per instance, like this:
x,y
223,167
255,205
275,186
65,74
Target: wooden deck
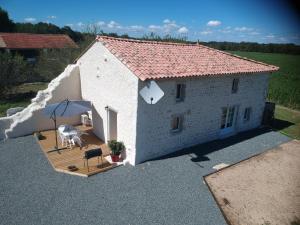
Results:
x,y
60,160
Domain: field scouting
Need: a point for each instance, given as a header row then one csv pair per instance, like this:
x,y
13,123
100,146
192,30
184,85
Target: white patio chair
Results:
x,y
76,140
63,131
63,138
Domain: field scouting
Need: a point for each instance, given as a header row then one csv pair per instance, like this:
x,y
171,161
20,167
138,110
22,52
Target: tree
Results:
x,y
13,71
6,25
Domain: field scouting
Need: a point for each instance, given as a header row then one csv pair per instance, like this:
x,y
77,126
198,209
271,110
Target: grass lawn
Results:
x,y
287,121
22,98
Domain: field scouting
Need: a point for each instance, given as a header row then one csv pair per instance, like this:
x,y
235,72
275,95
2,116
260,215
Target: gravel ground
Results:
x,y
168,190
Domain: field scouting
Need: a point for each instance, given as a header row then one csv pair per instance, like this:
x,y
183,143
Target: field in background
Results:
x,y
284,86
20,96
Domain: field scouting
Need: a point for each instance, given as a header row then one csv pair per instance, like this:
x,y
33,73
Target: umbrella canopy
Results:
x,y
67,108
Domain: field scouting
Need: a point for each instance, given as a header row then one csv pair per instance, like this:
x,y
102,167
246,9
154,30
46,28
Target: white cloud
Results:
x,y
283,39
30,19
213,23
100,23
113,24
254,33
169,26
243,29
80,24
271,36
51,17
70,24
183,30
167,21
206,32
226,30
136,28
154,27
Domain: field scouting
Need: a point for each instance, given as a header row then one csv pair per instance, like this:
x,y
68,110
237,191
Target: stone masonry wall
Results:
x,y
201,110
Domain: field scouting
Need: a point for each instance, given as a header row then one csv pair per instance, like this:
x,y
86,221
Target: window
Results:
x,y
223,118
235,84
176,123
247,114
228,116
179,92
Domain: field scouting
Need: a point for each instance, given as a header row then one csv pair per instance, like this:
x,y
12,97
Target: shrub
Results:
x,y
13,71
116,147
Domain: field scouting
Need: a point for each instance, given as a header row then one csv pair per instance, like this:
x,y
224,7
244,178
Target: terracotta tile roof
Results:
x,y
155,60
35,41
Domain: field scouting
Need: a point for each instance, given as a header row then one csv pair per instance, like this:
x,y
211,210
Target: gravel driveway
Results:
x,y
169,190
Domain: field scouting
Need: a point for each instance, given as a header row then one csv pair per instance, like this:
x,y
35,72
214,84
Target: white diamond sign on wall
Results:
x,y
151,93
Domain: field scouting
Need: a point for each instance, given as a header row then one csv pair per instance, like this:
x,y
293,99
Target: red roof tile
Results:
x,y
35,41
155,60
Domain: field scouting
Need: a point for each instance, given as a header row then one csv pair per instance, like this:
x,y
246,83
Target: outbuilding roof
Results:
x,y
156,60
35,41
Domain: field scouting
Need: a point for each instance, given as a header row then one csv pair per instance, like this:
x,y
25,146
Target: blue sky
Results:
x,y
261,21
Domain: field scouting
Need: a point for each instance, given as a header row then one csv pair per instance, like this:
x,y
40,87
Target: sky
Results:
x,y
263,21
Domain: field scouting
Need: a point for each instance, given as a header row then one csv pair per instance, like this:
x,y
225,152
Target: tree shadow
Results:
x,y
198,152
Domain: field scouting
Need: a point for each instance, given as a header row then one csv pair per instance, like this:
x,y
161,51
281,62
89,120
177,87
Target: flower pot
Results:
x,y
115,158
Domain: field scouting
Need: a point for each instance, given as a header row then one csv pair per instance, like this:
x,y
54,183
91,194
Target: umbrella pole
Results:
x,y
55,130
56,145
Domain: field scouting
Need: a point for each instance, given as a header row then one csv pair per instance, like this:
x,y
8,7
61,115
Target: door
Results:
x,y
112,125
228,119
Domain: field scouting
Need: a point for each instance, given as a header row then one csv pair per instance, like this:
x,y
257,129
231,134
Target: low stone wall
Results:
x,y
31,119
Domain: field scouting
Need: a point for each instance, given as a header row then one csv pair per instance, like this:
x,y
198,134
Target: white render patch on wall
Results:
x,y
201,111
66,85
107,82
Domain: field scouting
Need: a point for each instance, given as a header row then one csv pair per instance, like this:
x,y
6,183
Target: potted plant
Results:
x,y
116,148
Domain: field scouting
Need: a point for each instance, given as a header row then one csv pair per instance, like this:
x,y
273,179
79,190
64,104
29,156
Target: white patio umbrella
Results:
x,y
66,108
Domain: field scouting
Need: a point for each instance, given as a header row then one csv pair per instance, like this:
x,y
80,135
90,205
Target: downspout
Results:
x,y
107,124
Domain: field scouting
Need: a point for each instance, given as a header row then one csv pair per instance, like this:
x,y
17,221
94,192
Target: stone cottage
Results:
x,y
207,94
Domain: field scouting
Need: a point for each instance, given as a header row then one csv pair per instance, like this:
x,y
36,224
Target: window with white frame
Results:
x,y
235,85
176,123
180,92
247,114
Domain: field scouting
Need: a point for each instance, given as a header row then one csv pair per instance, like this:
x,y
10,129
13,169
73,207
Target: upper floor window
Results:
x,y
247,114
176,123
235,85
180,92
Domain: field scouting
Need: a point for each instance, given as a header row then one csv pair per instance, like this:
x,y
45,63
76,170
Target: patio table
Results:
x,y
67,132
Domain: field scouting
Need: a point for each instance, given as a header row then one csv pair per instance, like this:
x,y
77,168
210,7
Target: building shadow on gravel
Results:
x,y
198,152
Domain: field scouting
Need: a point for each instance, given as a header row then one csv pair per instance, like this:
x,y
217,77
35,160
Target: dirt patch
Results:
x,y
262,190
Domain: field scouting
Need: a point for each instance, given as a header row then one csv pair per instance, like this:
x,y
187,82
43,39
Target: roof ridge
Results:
x,y
103,37
5,33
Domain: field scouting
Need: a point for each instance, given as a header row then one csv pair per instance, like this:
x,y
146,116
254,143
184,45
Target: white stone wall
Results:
x,y
106,81
31,119
201,108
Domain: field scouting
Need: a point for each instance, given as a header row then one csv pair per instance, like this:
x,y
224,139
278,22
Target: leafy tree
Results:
x,y
6,25
13,71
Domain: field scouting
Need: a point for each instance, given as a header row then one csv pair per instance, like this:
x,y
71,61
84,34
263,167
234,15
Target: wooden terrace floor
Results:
x,y
60,160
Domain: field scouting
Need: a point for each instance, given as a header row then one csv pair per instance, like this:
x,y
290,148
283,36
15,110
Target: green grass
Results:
x,y
287,121
284,86
21,99
5,105
35,87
